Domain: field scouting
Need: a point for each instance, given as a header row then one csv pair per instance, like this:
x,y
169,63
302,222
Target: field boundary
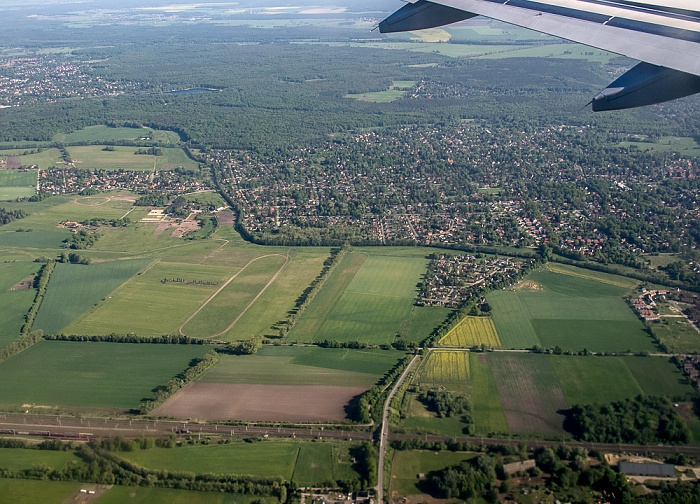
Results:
x,y
563,271
262,291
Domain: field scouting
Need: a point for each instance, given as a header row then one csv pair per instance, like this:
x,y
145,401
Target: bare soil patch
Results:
x,y
269,403
13,163
87,494
187,225
162,227
24,284
225,217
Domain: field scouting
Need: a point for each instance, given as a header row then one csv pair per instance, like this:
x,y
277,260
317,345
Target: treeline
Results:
x,y
7,216
368,408
310,292
156,199
41,282
642,420
198,367
166,339
24,342
245,347
73,258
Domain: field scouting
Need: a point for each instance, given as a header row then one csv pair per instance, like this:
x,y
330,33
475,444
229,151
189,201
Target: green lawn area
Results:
x,y
422,322
677,334
687,146
95,134
43,159
34,239
658,376
304,366
364,299
96,375
74,289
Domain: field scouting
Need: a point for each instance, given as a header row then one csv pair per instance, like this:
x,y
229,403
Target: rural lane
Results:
x,y
383,437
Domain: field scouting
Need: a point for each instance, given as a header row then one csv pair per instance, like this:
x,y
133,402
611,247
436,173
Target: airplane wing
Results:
x,y
664,35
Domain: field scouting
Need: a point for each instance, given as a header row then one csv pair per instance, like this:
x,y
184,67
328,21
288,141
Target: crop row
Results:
x,y
471,332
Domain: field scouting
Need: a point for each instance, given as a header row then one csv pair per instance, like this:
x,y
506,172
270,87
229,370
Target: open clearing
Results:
x,y
572,308
91,375
219,314
269,403
19,491
93,134
74,289
366,298
472,332
305,463
94,157
17,184
407,465
304,366
529,392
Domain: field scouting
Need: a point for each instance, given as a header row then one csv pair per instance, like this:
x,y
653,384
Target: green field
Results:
x,y
154,307
304,366
366,298
396,91
407,465
16,459
687,146
529,392
15,303
94,157
571,308
304,462
34,239
43,159
17,184
677,334
95,134
141,495
32,491
90,375
422,322
74,289
487,408
219,315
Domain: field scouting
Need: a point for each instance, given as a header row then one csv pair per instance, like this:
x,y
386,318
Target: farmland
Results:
x,y
74,289
445,367
303,462
90,375
15,303
145,495
304,366
572,309
33,491
17,184
17,459
125,158
472,332
366,298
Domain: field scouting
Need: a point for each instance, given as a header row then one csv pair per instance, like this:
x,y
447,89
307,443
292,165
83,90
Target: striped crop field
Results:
x,y
471,332
446,367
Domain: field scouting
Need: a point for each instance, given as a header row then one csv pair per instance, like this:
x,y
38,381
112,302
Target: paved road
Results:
x,y
384,436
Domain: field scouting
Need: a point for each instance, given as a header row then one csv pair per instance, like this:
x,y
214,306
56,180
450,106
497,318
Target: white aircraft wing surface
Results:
x,y
664,35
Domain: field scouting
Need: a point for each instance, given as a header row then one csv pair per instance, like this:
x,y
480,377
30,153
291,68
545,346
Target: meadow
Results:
x,y
94,157
15,303
285,365
396,90
95,134
16,459
366,298
677,334
571,308
305,463
74,289
17,184
145,495
33,491
472,332
43,159
221,312
154,307
91,375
